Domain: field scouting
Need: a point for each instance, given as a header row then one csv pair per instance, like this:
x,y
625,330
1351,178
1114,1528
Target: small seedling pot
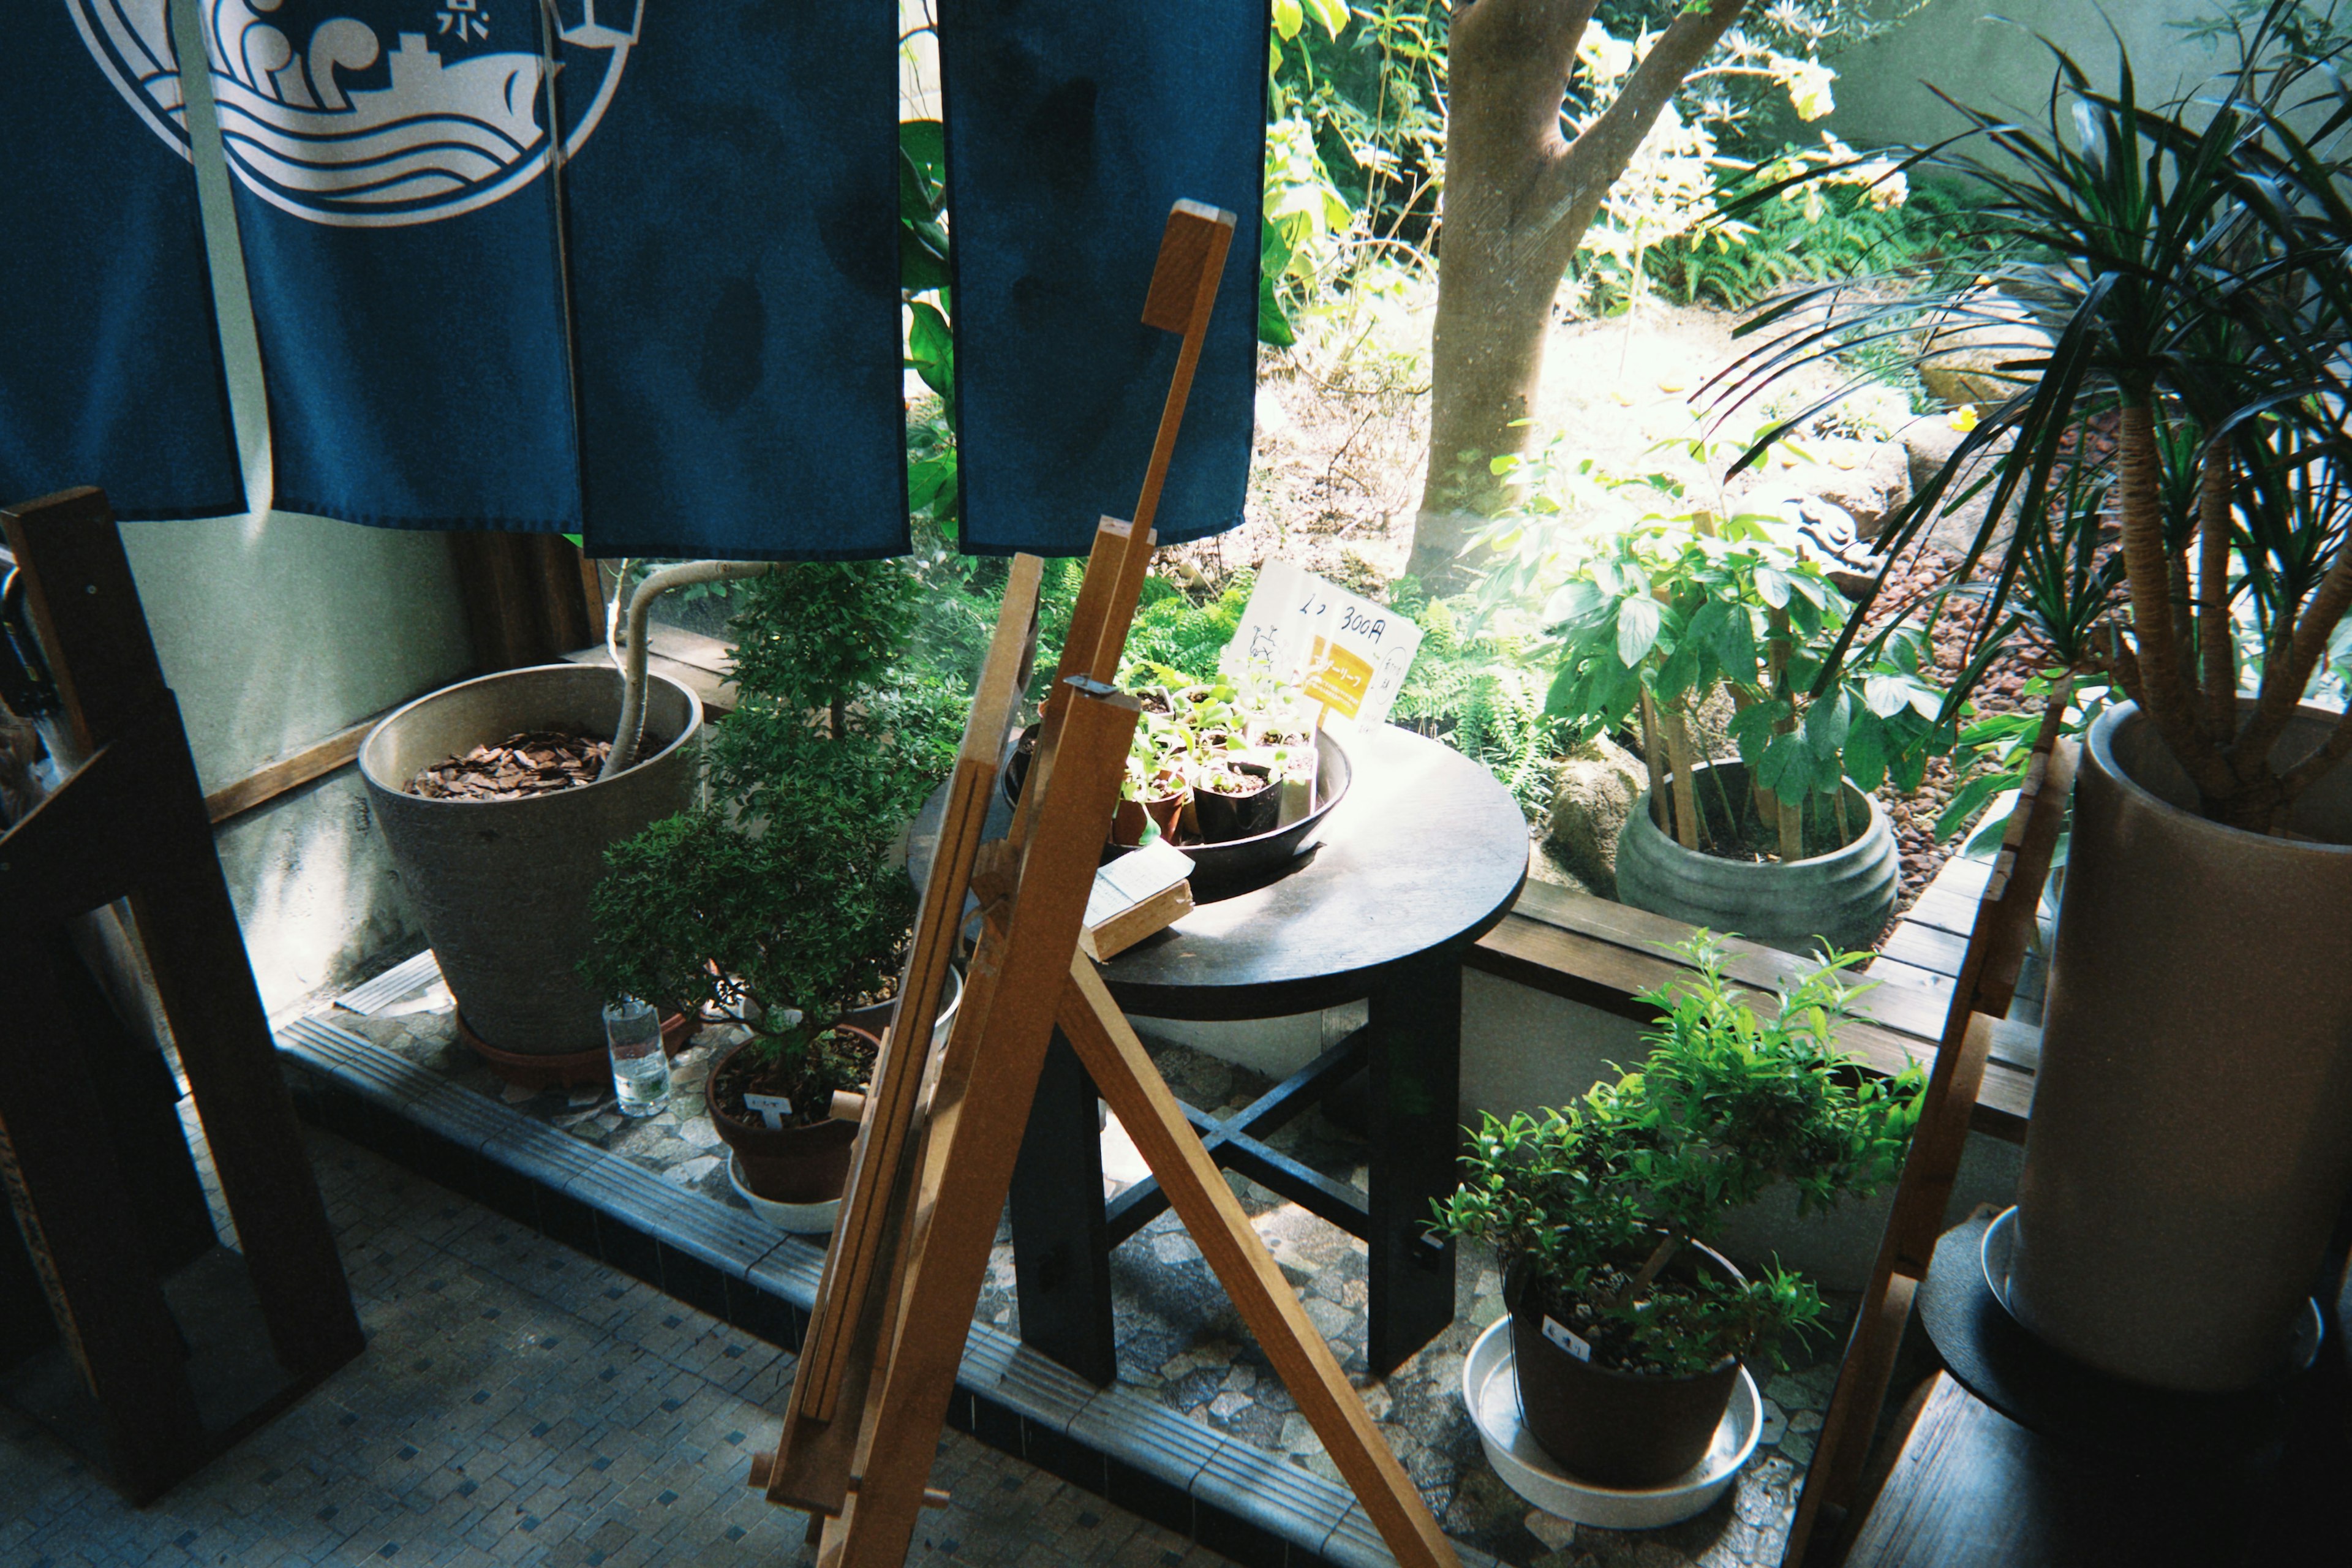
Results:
x,y
1127,822
1613,1428
1226,818
798,1164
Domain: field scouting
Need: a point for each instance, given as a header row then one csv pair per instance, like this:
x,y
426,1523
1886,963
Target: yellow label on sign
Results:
x,y
1337,678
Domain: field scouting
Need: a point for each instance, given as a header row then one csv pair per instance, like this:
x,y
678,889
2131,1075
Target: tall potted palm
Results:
x,y
2178,279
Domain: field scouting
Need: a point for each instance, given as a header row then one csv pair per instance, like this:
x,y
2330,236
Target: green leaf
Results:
x,y
1772,586
1886,695
930,348
1679,673
1786,766
1734,644
1273,259
1287,19
1967,799
1332,13
1638,620
925,142
1865,750
1577,603
922,264
1827,723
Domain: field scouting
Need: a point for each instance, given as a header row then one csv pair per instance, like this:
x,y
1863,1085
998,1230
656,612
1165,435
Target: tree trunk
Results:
x,y
1519,197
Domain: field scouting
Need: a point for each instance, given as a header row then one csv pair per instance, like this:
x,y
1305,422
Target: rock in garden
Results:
x,y
1829,535
1964,362
1930,443
1877,482
1592,795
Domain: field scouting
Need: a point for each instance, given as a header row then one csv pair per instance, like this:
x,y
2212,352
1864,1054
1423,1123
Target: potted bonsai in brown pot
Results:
x,y
1627,1331
784,904
2171,283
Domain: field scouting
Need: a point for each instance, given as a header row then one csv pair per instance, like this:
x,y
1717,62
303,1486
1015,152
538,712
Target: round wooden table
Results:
x,y
1424,856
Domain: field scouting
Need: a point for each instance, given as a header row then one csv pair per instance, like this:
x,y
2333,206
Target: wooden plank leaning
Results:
x,y
887,1126
986,1078
1987,981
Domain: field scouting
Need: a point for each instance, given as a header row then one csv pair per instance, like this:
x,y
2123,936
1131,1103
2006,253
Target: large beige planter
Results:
x,y
501,887
2191,1136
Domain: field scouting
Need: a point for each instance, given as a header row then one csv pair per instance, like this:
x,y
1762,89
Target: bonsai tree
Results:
x,y
1587,1206
2176,275
1658,618
781,904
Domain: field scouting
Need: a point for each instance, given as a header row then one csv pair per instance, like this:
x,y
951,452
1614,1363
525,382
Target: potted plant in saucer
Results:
x,y
1628,1331
2179,320
784,905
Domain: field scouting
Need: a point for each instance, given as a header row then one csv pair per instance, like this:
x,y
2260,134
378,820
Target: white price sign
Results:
x,y
1349,655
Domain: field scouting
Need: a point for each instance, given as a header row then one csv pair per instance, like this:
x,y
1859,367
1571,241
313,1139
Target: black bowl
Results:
x,y
1221,870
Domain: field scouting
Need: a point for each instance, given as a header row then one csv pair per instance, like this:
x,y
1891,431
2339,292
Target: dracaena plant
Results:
x,y
1587,1206
2178,273
1656,619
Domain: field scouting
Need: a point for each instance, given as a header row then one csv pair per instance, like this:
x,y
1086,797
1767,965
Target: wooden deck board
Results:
x,y
1570,945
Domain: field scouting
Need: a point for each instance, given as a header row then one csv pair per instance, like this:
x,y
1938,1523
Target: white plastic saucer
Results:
x,y
802,1219
1492,1394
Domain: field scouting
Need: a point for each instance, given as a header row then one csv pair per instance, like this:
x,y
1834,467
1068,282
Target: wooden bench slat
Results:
x,y
1545,944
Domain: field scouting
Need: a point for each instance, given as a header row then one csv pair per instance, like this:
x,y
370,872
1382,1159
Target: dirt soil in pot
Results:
x,y
1730,829
538,762
739,1075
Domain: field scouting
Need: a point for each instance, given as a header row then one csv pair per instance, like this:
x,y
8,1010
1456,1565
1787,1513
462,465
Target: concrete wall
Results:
x,y
1964,48
276,630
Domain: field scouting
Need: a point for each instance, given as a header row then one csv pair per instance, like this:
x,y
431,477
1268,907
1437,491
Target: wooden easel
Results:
x,y
941,1131
167,1360
1980,999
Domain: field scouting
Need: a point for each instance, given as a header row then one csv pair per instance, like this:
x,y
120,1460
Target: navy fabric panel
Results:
x,y
733,239
110,362
1073,127
402,250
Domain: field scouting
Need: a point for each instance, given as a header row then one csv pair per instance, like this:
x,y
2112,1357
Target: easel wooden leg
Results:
x,y
1197,1190
977,1114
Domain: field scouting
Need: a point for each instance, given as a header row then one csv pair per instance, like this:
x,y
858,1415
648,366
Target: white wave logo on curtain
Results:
x,y
424,110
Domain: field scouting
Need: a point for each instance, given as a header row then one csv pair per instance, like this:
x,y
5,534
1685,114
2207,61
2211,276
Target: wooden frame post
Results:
x,y
1988,980
130,821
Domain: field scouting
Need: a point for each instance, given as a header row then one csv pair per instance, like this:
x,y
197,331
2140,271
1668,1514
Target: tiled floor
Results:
x,y
520,1403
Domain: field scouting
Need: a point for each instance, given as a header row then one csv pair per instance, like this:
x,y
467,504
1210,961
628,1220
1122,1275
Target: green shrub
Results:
x,y
781,905
1586,1206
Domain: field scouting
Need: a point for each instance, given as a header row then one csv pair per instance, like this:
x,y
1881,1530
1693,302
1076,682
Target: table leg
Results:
x,y
1061,1240
1415,1127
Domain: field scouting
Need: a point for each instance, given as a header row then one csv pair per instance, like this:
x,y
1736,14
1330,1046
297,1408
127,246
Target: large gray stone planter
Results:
x,y
1844,897
2193,1114
501,887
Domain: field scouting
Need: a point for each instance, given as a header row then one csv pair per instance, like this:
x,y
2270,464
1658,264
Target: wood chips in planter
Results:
x,y
538,762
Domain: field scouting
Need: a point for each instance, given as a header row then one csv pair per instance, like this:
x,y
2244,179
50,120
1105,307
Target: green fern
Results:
x,y
1479,695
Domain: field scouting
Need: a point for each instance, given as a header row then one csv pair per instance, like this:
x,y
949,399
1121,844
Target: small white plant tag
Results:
x,y
772,1109
1567,1338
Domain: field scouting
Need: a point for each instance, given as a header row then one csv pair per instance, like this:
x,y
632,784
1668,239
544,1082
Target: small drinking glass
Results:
x,y
640,1066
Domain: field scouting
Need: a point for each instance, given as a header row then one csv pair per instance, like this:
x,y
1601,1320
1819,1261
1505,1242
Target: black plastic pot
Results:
x,y
1626,1429
1226,818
